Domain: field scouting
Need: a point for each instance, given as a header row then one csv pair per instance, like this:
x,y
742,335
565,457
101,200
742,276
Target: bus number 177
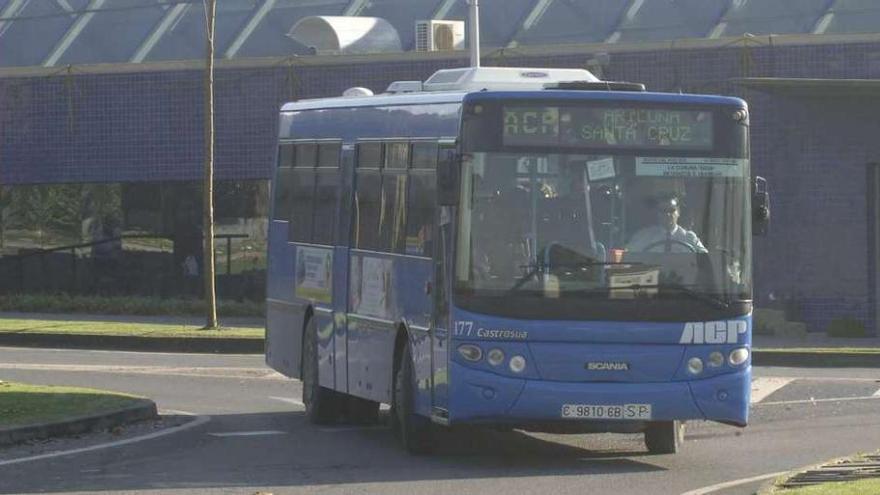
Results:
x,y
464,328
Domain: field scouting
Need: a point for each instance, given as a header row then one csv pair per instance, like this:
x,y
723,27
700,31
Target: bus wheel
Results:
x,y
362,411
413,430
664,437
322,404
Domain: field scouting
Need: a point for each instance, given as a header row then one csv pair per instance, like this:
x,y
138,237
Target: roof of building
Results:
x,y
56,33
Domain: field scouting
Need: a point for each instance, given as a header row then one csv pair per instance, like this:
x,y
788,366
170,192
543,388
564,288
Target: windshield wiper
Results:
x,y
541,267
598,263
718,302
538,268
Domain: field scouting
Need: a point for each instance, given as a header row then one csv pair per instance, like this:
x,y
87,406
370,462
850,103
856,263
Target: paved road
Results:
x,y
798,421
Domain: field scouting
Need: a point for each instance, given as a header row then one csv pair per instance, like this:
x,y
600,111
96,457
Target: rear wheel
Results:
x,y
664,437
322,404
414,431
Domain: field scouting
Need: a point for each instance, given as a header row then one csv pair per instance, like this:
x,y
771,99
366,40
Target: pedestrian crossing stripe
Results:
x,y
763,387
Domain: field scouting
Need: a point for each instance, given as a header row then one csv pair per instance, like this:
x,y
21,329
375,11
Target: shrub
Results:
x,y
767,321
847,328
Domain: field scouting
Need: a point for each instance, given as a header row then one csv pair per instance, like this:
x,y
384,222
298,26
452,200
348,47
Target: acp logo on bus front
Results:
x,y
713,332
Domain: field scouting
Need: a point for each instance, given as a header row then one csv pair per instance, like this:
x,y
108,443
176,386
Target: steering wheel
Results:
x,y
690,247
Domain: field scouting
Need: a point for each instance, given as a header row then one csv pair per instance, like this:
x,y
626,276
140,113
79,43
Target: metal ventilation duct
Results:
x,y
345,35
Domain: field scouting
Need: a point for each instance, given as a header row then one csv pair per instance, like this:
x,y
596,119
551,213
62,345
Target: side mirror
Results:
x,y
760,207
448,172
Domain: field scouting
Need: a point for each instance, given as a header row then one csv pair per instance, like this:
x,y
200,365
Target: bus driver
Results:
x,y
666,235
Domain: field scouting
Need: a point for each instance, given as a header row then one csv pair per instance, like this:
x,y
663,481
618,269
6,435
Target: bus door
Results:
x,y
370,329
342,260
319,267
440,301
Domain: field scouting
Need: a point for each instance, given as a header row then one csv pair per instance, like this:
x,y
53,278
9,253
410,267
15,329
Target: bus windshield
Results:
x,y
603,228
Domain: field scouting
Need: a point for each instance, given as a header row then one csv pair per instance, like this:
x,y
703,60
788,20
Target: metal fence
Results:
x,y
104,268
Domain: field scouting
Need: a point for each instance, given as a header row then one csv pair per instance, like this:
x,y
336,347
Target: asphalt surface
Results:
x,y
257,439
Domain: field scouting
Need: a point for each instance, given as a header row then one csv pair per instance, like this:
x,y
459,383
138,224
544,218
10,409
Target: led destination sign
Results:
x,y
597,127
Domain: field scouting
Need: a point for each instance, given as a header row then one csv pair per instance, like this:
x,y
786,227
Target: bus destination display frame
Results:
x,y
605,127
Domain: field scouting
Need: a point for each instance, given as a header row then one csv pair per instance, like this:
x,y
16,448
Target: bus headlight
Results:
x,y
517,364
716,359
495,357
695,366
738,356
470,352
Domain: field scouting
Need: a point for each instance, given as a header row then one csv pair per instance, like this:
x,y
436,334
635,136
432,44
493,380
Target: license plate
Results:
x,y
592,411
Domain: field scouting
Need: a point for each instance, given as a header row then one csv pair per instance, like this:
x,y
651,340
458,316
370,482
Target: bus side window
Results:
x,y
393,213
424,156
421,199
281,211
303,193
367,204
326,192
397,156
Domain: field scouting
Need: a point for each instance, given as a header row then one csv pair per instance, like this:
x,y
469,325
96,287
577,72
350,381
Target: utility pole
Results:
x,y
474,31
211,322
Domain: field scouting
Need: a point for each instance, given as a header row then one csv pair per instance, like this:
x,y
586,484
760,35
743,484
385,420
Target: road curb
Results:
x,y
769,486
142,410
849,468
211,345
801,359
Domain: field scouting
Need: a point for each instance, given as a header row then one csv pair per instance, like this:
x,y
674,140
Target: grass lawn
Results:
x,y
111,328
861,487
22,404
123,305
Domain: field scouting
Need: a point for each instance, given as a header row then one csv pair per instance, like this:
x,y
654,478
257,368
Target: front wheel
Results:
x,y
664,437
322,404
414,431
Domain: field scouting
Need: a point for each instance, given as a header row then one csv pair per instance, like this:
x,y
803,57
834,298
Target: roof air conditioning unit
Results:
x,y
436,36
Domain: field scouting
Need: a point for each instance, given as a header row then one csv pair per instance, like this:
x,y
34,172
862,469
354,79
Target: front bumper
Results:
x,y
483,397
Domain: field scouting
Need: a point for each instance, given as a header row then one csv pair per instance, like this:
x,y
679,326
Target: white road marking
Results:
x,y
729,484
764,386
199,421
204,372
877,393
828,379
344,429
295,402
815,401
299,403
247,433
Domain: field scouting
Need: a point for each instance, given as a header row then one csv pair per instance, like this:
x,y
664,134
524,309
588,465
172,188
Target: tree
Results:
x,y
211,322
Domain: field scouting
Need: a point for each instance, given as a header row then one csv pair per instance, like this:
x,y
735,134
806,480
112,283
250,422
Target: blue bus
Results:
x,y
515,248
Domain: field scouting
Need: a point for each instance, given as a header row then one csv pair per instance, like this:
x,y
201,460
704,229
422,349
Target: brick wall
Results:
x,y
148,127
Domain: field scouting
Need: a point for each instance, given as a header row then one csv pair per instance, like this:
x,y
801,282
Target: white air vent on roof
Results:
x,y
435,36
502,78
399,87
357,92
